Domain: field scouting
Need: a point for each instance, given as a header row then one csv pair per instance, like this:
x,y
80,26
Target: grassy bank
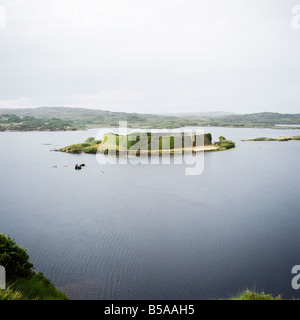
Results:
x,y
37,287
21,280
252,295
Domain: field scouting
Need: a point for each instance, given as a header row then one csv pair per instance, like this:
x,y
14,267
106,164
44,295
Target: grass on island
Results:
x,y
89,146
139,141
22,281
224,144
275,139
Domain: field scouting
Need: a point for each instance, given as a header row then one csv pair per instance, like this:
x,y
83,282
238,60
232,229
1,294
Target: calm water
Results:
x,y
150,231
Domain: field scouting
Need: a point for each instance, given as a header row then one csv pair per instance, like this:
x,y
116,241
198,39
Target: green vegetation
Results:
x,y
80,118
275,139
143,142
252,295
89,140
263,119
224,144
89,146
28,123
23,283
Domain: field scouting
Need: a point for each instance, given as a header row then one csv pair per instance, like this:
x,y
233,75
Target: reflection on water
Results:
x,y
150,231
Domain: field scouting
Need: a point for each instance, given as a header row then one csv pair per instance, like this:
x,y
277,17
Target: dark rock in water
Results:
x,y
78,167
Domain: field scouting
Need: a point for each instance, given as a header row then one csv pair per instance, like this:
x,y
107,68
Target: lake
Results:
x,y
150,231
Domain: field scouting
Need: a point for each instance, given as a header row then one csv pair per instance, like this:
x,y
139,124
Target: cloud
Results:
x,y
145,55
15,103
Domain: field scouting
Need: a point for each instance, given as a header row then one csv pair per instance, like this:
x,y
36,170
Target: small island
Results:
x,y
138,143
275,139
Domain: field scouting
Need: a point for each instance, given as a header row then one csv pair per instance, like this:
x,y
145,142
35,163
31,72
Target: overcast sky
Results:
x,y
150,55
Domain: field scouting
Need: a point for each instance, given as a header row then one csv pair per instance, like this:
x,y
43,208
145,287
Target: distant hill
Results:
x,y
12,122
265,118
81,118
207,114
67,113
85,118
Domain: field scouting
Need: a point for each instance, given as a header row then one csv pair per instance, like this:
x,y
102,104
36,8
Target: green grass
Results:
x,y
275,139
252,295
87,147
10,294
38,287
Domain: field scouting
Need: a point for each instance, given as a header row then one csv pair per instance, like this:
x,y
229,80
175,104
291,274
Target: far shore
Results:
x,y
280,139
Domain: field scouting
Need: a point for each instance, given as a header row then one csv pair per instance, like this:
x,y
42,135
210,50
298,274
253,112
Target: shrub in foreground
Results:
x,y
22,282
14,259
